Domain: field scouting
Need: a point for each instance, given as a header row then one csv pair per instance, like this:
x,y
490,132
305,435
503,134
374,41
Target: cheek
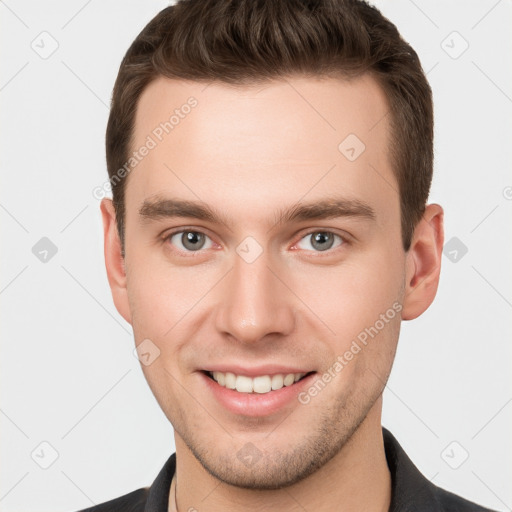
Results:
x,y
352,295
161,294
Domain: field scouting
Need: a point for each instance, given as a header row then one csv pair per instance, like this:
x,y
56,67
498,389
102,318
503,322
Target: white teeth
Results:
x,y
220,378
261,384
289,379
229,380
277,381
244,384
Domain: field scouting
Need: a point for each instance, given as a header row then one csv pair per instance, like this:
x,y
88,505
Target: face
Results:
x,y
263,240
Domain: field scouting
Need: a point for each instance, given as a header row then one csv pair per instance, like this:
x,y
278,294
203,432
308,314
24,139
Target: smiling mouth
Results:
x,y
260,384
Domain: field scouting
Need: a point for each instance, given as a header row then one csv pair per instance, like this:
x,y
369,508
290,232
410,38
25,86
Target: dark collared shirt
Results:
x,y
411,491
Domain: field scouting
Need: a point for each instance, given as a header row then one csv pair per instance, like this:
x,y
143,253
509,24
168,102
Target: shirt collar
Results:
x,y
410,490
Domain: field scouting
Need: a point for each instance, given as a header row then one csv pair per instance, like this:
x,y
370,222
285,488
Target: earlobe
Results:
x,y
423,263
114,261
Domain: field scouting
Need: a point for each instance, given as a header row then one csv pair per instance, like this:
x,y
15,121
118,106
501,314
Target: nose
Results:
x,y
255,303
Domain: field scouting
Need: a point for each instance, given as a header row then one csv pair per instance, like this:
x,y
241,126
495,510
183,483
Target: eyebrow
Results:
x,y
329,208
159,208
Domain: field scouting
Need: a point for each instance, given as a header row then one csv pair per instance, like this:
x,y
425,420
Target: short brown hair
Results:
x,y
246,42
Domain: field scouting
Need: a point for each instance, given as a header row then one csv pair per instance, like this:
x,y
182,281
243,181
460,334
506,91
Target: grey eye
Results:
x,y
190,240
321,240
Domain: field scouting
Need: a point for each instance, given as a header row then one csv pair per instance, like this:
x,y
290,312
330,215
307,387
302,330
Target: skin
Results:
x,y
250,152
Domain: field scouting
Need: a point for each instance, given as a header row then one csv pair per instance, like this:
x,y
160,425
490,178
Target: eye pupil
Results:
x,y
192,240
322,241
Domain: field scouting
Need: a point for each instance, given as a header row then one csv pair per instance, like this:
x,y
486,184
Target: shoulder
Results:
x,y
134,501
155,497
411,490
451,502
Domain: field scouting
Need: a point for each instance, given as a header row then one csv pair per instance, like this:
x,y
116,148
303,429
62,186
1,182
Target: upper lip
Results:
x,y
255,371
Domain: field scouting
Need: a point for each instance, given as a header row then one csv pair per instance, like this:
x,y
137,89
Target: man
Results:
x,y
270,164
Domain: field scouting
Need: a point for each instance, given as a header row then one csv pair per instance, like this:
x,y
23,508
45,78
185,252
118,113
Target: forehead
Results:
x,y
262,145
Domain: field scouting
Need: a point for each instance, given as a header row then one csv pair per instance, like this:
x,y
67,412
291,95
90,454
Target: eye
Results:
x,y
190,241
320,241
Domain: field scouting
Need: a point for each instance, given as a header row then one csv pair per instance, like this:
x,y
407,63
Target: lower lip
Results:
x,y
256,404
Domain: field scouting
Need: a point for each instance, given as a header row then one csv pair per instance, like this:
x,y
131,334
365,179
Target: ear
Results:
x,y
114,261
423,263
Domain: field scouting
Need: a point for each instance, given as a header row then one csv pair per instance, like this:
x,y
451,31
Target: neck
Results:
x,y
356,479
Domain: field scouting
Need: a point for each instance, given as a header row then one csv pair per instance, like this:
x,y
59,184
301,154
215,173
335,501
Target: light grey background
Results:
x,y
69,376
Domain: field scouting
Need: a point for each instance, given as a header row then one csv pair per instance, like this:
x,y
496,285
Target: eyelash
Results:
x,y
344,241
